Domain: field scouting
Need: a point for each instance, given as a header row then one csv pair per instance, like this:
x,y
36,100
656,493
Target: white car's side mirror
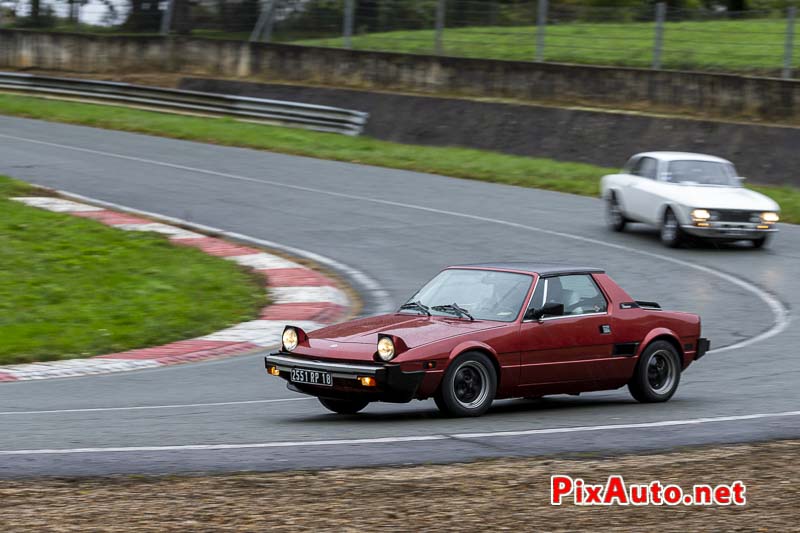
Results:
x,y
741,179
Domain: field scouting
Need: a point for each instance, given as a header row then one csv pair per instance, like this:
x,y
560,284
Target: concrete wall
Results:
x,y
765,154
706,94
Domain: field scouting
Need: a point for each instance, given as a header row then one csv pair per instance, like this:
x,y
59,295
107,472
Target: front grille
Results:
x,y
735,216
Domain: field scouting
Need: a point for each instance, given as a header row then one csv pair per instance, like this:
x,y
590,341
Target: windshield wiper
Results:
x,y
454,308
419,306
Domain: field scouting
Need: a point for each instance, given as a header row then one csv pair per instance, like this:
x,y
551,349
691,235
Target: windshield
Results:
x,y
701,172
484,294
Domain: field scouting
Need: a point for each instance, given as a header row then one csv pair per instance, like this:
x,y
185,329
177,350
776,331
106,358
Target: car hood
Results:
x,y
710,197
414,330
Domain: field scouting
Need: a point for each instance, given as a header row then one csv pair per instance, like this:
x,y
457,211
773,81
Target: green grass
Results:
x,y
72,287
575,178
734,45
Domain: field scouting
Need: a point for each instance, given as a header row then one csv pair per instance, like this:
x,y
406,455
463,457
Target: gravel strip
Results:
x,y
508,494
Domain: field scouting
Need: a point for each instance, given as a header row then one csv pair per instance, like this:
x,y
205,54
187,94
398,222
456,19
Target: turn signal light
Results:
x,y
367,381
274,371
763,227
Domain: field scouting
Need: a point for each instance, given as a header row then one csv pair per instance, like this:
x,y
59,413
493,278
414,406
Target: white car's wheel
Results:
x,y
671,233
614,217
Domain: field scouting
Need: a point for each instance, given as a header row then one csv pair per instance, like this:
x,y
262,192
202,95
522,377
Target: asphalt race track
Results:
x,y
399,228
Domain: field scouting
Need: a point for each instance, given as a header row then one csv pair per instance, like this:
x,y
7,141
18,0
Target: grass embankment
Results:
x,y
575,178
71,287
502,495
755,45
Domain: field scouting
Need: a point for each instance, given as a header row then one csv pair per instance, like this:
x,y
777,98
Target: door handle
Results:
x,y
605,329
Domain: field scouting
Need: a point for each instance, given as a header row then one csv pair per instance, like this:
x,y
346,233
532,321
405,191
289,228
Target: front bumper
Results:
x,y
392,383
728,230
703,345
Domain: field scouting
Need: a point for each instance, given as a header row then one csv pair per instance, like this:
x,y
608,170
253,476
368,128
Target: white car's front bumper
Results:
x,y
728,230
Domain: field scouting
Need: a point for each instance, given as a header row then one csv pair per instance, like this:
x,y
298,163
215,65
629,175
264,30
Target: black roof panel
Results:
x,y
542,268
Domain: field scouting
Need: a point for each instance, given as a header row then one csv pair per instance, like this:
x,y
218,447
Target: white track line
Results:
x,y
779,311
394,440
146,407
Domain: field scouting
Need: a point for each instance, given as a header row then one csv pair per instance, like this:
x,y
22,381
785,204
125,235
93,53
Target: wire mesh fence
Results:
x,y
640,34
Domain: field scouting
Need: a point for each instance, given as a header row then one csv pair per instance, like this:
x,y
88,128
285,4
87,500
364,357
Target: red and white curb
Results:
x,y
299,294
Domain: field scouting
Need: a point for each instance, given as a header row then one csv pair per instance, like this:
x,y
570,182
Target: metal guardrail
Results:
x,y
293,114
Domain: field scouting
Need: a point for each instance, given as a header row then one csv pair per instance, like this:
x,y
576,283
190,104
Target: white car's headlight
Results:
x,y
385,348
700,215
770,217
290,339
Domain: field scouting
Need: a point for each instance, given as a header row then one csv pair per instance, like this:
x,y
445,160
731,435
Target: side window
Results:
x,y
630,166
647,168
581,295
578,294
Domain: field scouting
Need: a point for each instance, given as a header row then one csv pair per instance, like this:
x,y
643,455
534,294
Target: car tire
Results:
x,y
657,373
671,232
343,407
615,218
468,386
760,242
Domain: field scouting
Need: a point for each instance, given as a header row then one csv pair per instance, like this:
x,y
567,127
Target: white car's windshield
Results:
x,y
701,172
479,294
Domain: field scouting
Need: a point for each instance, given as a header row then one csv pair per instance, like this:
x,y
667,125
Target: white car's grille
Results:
x,y
730,215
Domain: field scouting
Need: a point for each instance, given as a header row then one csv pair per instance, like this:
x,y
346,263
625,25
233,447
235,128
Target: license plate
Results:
x,y
311,377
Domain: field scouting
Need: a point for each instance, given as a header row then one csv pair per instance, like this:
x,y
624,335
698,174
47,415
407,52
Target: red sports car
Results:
x,y
479,332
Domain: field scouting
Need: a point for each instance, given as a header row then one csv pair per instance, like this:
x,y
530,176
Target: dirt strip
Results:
x,y
508,494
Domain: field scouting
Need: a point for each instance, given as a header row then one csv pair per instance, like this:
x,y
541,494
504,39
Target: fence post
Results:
x,y
791,14
166,17
658,43
541,24
263,29
349,16
438,46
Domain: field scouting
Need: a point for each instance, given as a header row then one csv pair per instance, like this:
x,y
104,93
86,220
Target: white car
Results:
x,y
688,194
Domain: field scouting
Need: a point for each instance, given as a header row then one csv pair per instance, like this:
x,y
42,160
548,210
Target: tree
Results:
x,y
737,5
73,11
143,16
237,16
181,17
36,11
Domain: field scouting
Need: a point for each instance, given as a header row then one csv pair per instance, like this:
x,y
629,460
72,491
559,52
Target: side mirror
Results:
x,y
741,180
549,309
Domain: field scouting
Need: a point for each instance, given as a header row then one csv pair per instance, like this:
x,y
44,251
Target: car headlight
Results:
x,y
770,217
700,215
290,339
385,348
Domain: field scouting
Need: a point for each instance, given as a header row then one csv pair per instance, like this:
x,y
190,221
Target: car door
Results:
x,y
641,203
571,349
622,182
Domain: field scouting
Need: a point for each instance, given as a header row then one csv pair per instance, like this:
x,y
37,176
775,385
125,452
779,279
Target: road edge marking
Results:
x,y
399,439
